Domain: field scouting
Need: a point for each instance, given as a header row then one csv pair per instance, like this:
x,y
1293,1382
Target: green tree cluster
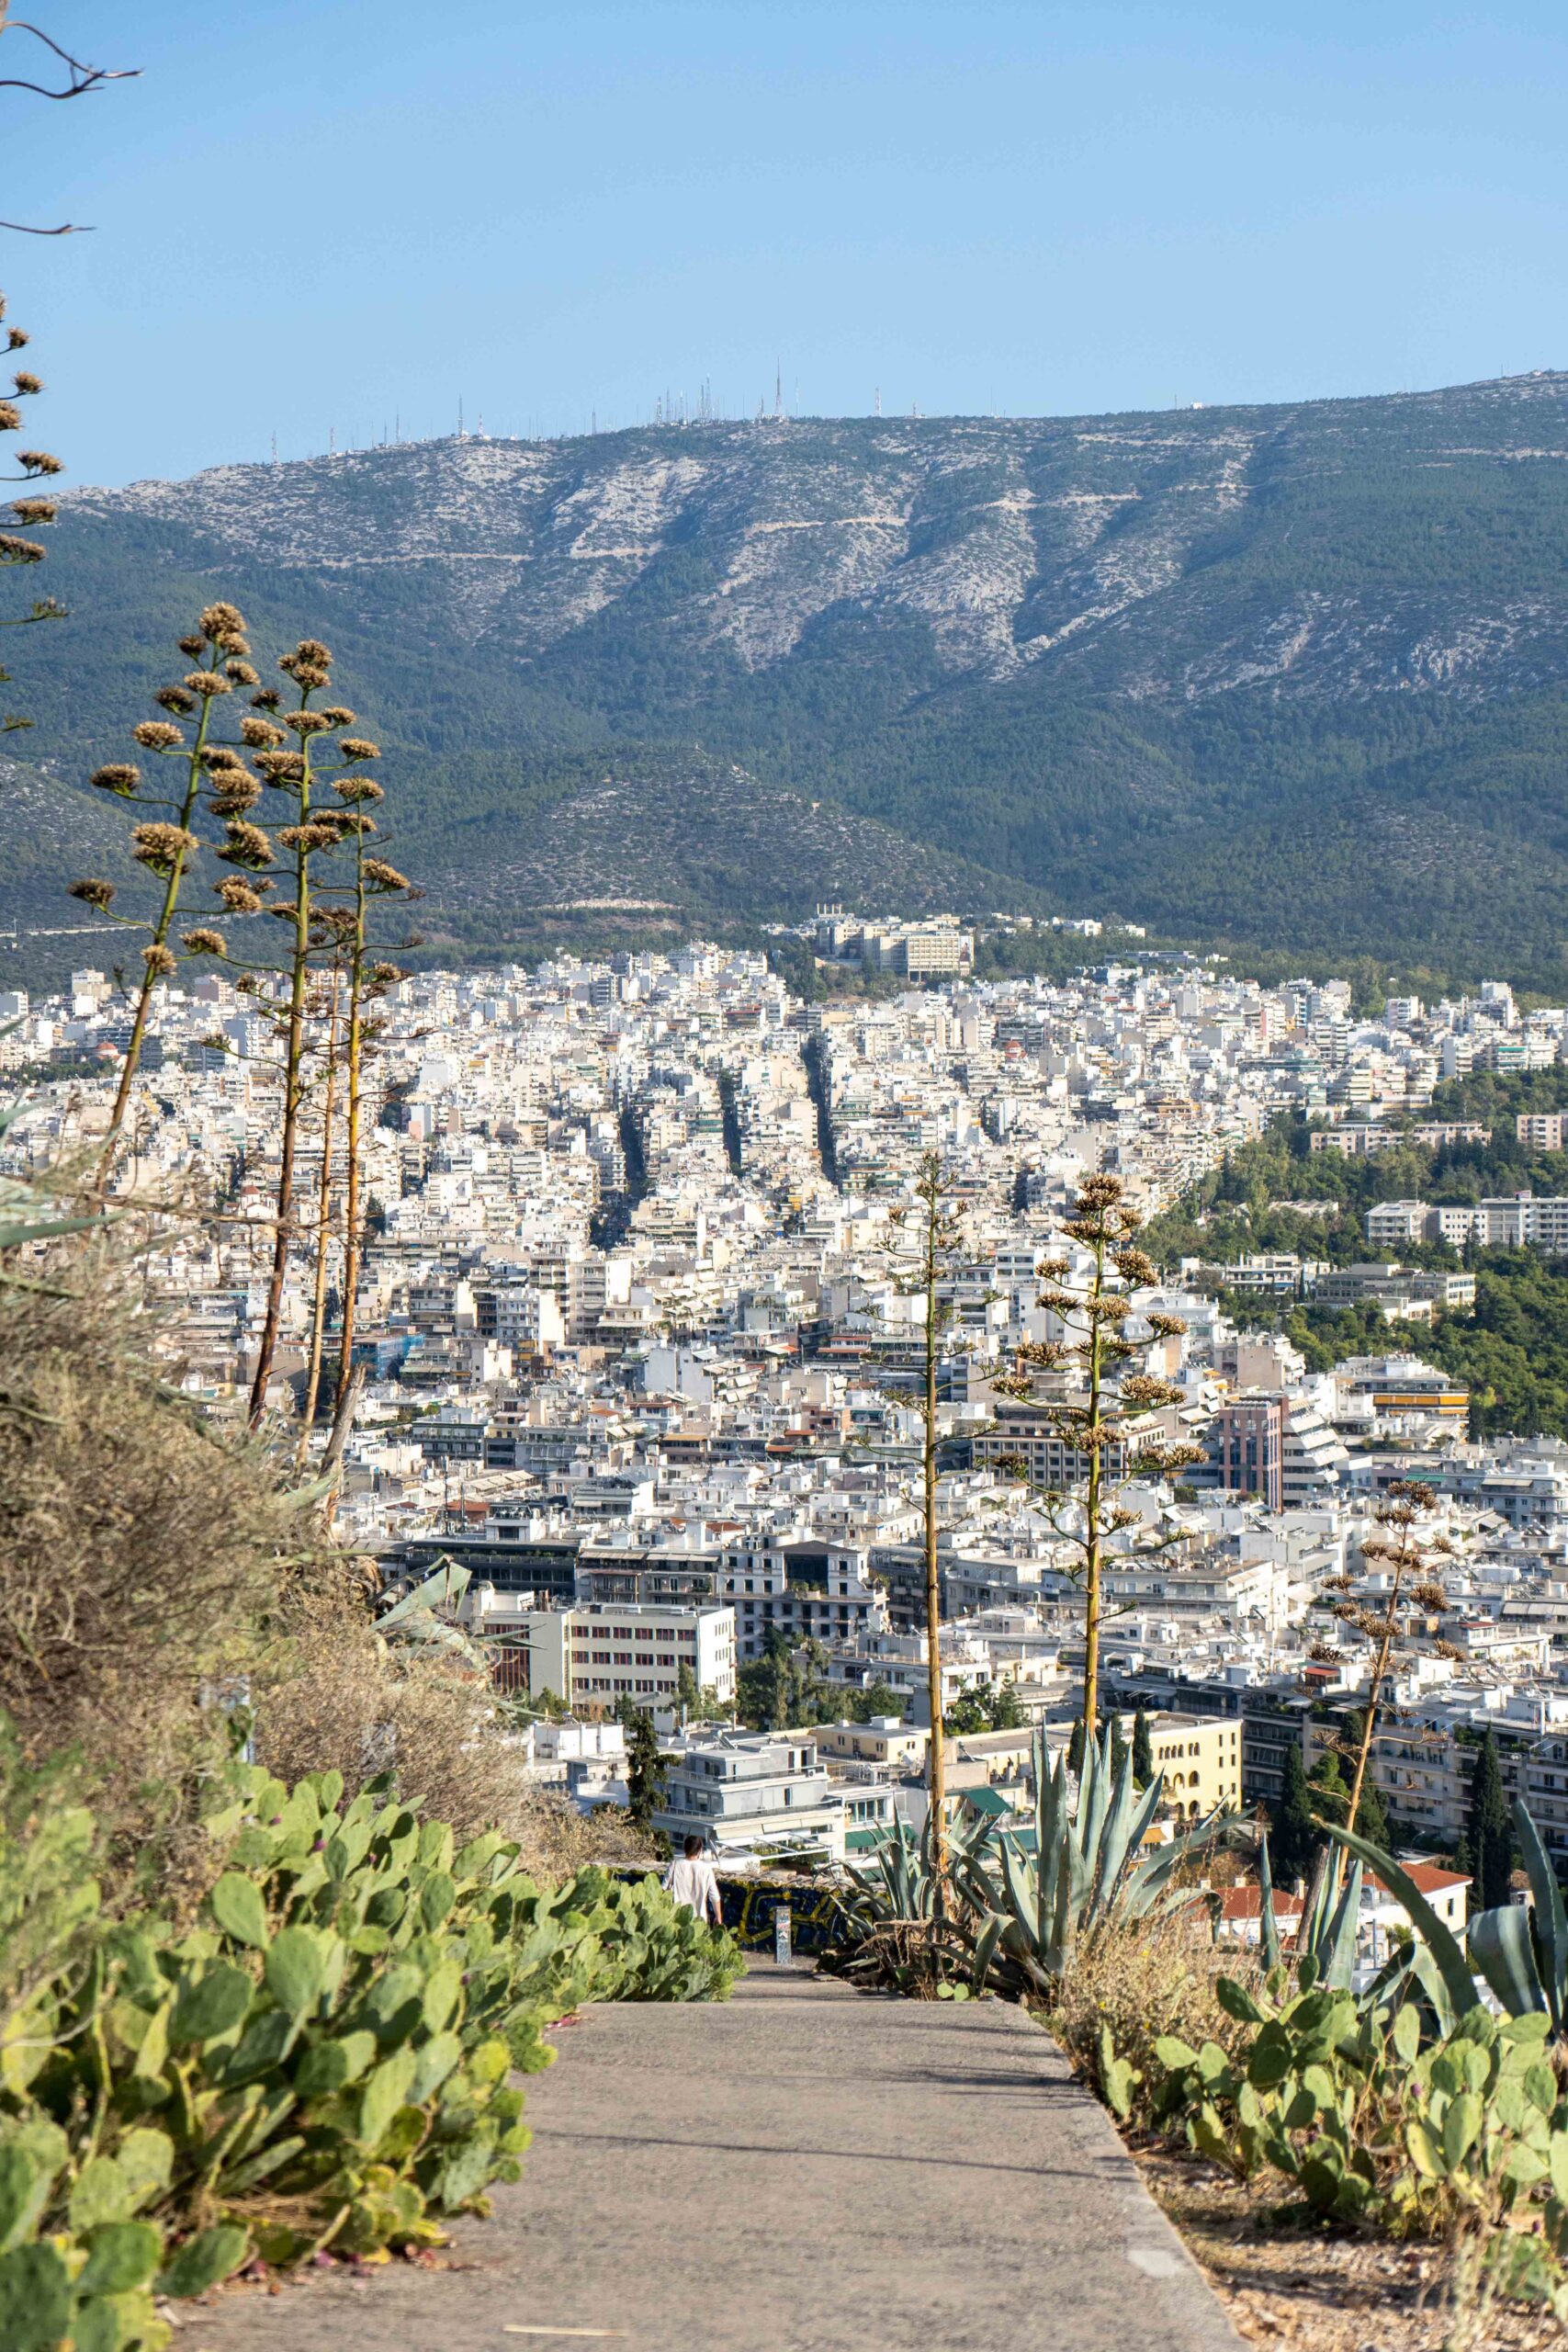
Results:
x,y
986,1708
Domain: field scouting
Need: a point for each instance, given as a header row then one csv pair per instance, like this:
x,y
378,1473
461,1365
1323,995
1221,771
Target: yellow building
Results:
x,y
1201,1758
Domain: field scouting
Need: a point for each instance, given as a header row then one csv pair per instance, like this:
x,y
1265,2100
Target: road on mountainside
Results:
x,y
802,2169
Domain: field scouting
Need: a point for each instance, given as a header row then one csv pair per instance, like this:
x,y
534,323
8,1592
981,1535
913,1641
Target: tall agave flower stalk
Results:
x,y
368,979
1413,1578
293,771
166,847
938,1233
324,1219
35,466
1101,1424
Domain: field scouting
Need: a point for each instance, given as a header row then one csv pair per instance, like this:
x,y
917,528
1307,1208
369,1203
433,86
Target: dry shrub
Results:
x,y
335,1697
149,1554
138,1543
1142,1979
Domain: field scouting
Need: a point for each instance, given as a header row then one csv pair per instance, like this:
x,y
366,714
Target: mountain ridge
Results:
x,y
1142,662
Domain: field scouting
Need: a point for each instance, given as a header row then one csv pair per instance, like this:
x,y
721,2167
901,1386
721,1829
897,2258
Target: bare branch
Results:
x,y
84,77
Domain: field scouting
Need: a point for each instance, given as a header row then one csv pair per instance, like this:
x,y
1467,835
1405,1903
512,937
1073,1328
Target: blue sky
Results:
x,y
341,217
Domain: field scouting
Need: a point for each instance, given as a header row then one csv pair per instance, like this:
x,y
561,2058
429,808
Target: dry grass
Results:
x,y
1143,1981
335,1697
140,1550
137,1541
149,1556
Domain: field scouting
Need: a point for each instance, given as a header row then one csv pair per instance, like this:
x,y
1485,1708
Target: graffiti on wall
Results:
x,y
816,1921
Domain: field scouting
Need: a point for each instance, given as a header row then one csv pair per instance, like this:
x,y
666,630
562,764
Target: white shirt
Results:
x,y
694,1886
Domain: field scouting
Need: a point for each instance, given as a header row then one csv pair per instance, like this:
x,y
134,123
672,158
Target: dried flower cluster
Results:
x,y
33,513
210,808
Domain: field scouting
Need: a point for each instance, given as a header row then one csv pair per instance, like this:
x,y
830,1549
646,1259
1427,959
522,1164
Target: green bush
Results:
x,y
1378,2121
323,2060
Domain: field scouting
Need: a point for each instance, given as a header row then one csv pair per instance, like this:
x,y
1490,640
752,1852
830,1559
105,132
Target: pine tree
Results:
x,y
1293,1839
1489,1829
1006,1713
1143,1750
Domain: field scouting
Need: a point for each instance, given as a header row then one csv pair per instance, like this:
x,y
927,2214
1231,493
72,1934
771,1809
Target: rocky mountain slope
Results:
x,y
1297,672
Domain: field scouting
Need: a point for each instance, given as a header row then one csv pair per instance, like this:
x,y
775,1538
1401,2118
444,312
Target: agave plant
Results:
x,y
908,1923
1089,1865
1520,1950
1523,1952
1327,1937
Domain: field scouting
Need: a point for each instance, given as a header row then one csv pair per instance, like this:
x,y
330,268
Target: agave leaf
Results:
x,y
1147,1807
1094,1798
446,1582
1021,1888
1502,1947
1551,1920
985,1953
47,1229
1148,1877
1061,1945
1112,1851
1268,1923
1338,1949
1449,1961
1423,1968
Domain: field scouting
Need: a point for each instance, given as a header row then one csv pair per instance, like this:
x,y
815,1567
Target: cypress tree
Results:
x,y
1490,1831
1075,1750
1372,1815
1293,1839
645,1765
1118,1745
1143,1750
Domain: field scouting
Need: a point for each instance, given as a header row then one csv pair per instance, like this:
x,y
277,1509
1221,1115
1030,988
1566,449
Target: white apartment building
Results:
x,y
1314,1460
1505,1221
752,1790
596,1653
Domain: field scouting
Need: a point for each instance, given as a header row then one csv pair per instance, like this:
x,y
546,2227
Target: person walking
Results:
x,y
694,1883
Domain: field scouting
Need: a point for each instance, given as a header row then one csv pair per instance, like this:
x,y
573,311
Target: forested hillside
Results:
x,y
1294,675
1512,1351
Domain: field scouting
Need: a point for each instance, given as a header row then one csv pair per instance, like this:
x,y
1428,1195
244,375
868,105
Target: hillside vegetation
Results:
x,y
1295,675
1512,1352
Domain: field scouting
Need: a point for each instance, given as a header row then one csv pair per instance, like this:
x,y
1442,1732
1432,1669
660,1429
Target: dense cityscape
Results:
x,y
640,1348
783,1180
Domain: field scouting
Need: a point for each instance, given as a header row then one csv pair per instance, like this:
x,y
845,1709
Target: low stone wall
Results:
x,y
752,1907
